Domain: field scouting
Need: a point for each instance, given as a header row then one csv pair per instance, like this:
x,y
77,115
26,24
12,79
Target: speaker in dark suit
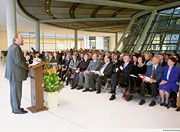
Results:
x,y
16,72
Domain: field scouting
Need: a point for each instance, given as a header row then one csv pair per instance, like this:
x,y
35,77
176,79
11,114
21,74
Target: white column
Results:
x,y
144,33
120,42
76,38
11,20
37,36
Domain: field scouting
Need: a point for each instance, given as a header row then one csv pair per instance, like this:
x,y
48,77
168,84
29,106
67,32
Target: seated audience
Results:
x,y
169,81
72,67
121,75
115,60
94,65
161,60
148,57
36,59
80,70
135,59
177,63
135,80
154,72
102,75
65,66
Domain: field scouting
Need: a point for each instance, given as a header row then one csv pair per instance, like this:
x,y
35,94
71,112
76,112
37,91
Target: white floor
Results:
x,y
85,111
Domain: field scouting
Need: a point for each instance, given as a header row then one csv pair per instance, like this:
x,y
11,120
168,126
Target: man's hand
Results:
x,y
121,67
100,74
86,72
29,67
77,71
117,69
63,69
152,81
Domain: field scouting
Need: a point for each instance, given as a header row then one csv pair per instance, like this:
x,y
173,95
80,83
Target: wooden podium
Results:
x,y
37,100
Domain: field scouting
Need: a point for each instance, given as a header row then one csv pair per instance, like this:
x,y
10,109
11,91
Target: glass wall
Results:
x,y
54,42
164,33
135,33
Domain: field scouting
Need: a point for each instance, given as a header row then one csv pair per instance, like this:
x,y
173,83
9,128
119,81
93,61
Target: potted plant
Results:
x,y
52,86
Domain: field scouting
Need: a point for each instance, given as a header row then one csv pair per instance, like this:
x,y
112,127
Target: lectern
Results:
x,y
37,100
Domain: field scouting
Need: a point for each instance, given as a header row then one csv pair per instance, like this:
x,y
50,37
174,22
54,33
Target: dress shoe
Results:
x,y
166,105
20,112
79,87
73,87
153,103
91,90
67,83
142,102
129,98
22,109
111,91
161,104
98,92
85,90
112,97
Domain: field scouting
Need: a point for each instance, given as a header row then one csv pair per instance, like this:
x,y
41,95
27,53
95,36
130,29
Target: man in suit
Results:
x,y
104,73
161,60
16,72
65,66
154,72
121,75
94,65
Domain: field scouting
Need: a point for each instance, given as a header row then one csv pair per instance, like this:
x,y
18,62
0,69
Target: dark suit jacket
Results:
x,y
158,72
108,70
16,66
163,63
66,64
83,65
128,69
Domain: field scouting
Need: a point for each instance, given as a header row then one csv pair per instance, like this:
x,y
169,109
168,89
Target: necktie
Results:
x,y
153,72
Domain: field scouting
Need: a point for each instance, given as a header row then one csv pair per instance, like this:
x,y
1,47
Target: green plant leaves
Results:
x,y
51,82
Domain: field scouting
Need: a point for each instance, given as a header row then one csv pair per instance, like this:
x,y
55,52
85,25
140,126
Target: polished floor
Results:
x,y
78,110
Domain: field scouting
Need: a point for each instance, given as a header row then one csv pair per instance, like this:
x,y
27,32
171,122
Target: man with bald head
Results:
x,y
16,72
154,72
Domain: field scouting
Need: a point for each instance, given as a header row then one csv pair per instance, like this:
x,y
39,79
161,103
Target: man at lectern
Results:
x,y
16,72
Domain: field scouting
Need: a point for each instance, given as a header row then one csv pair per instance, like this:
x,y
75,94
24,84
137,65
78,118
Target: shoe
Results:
x,y
112,97
67,83
129,98
111,91
153,103
20,112
91,90
73,87
24,110
79,87
142,102
98,92
161,104
166,105
85,90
